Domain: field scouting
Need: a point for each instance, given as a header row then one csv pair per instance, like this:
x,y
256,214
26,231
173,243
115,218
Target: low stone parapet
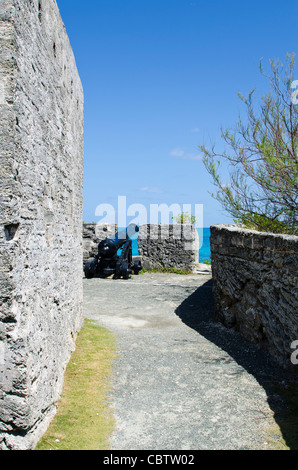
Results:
x,y
169,246
255,278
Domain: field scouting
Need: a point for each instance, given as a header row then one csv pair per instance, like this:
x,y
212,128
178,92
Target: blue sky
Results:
x,y
161,77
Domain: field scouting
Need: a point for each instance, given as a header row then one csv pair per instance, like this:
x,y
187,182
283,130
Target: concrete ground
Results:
x,y
181,381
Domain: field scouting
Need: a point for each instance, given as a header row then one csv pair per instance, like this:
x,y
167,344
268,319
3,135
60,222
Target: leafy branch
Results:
x,y
263,188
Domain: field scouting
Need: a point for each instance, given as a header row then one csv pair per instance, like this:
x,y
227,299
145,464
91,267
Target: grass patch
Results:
x,y
84,420
165,270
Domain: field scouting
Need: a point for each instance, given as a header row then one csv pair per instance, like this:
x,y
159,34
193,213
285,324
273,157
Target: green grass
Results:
x,y
84,419
165,270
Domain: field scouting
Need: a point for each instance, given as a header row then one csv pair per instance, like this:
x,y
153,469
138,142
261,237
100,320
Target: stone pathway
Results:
x,y
182,381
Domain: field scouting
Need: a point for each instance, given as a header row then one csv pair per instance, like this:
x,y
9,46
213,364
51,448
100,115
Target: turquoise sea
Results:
x,y
203,254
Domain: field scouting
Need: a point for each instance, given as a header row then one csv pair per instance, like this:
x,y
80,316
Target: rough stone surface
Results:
x,y
41,107
93,234
256,286
169,246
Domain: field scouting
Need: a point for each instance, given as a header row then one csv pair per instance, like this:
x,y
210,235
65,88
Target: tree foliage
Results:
x,y
185,218
263,189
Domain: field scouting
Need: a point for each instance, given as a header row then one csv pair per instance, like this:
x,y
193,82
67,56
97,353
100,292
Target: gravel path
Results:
x,y
182,381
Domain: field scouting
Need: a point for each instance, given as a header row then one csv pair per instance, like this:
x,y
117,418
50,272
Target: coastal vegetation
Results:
x,y
185,218
262,190
166,270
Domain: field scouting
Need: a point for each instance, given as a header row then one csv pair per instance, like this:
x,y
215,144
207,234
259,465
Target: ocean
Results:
x,y
204,253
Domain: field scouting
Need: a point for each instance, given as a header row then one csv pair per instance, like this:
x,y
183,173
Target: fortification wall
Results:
x,y
255,278
160,246
169,246
41,106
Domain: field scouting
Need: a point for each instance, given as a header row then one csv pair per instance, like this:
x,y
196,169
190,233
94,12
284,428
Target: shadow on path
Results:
x,y
197,311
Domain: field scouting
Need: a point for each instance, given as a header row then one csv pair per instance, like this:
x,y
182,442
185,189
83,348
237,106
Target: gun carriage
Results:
x,y
114,257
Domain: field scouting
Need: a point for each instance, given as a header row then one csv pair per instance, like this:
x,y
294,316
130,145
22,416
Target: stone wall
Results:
x,y
255,279
41,116
159,246
169,246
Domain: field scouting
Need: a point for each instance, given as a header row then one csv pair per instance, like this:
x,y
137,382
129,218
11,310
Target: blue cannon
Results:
x,y
114,257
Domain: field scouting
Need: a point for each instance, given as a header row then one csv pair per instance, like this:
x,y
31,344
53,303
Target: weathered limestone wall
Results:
x,y
41,119
170,246
160,246
256,286
93,234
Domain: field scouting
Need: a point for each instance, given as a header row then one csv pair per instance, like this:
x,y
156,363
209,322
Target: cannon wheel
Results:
x,y
126,272
88,271
137,267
